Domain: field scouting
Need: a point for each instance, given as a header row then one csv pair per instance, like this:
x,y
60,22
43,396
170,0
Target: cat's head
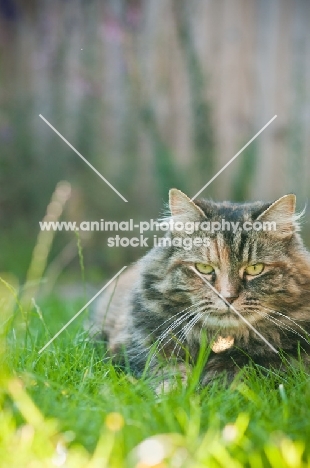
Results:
x,y
254,258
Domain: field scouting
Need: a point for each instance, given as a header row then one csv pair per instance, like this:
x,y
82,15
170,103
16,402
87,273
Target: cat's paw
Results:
x,y
224,376
169,379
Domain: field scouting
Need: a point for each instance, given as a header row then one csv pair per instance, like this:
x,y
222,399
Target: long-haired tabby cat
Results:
x,y
164,304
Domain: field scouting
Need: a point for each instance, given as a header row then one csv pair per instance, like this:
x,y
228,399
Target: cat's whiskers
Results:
x,y
204,322
174,325
277,324
280,324
231,307
286,317
171,327
184,332
187,328
172,317
201,330
160,344
179,321
168,330
148,348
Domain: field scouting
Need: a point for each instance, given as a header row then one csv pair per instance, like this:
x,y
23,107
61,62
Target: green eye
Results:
x,y
204,268
254,270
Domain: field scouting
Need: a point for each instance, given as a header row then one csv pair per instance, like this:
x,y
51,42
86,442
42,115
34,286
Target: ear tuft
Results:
x,y
282,212
182,207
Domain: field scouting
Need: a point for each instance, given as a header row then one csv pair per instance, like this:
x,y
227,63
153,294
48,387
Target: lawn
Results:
x,y
68,406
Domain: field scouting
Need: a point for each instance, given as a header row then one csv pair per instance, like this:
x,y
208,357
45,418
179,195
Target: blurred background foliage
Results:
x,y
155,94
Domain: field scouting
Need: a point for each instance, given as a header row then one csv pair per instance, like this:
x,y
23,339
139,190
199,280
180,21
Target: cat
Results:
x,y
246,292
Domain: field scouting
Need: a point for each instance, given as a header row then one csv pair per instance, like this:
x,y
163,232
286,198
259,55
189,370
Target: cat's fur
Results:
x,y
160,307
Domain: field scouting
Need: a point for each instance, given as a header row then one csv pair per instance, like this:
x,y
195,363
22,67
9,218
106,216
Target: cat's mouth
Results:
x,y
226,317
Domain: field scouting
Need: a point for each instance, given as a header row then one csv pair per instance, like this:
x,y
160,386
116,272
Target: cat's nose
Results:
x,y
231,299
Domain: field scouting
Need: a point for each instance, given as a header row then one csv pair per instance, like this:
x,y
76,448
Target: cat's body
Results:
x,y
164,305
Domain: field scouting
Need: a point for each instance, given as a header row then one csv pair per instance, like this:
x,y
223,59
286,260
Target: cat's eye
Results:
x,y
254,270
204,268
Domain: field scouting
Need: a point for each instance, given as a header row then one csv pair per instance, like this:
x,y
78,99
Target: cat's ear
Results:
x,y
183,208
282,214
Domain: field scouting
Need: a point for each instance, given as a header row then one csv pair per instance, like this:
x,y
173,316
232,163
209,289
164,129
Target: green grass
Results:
x,y
70,407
